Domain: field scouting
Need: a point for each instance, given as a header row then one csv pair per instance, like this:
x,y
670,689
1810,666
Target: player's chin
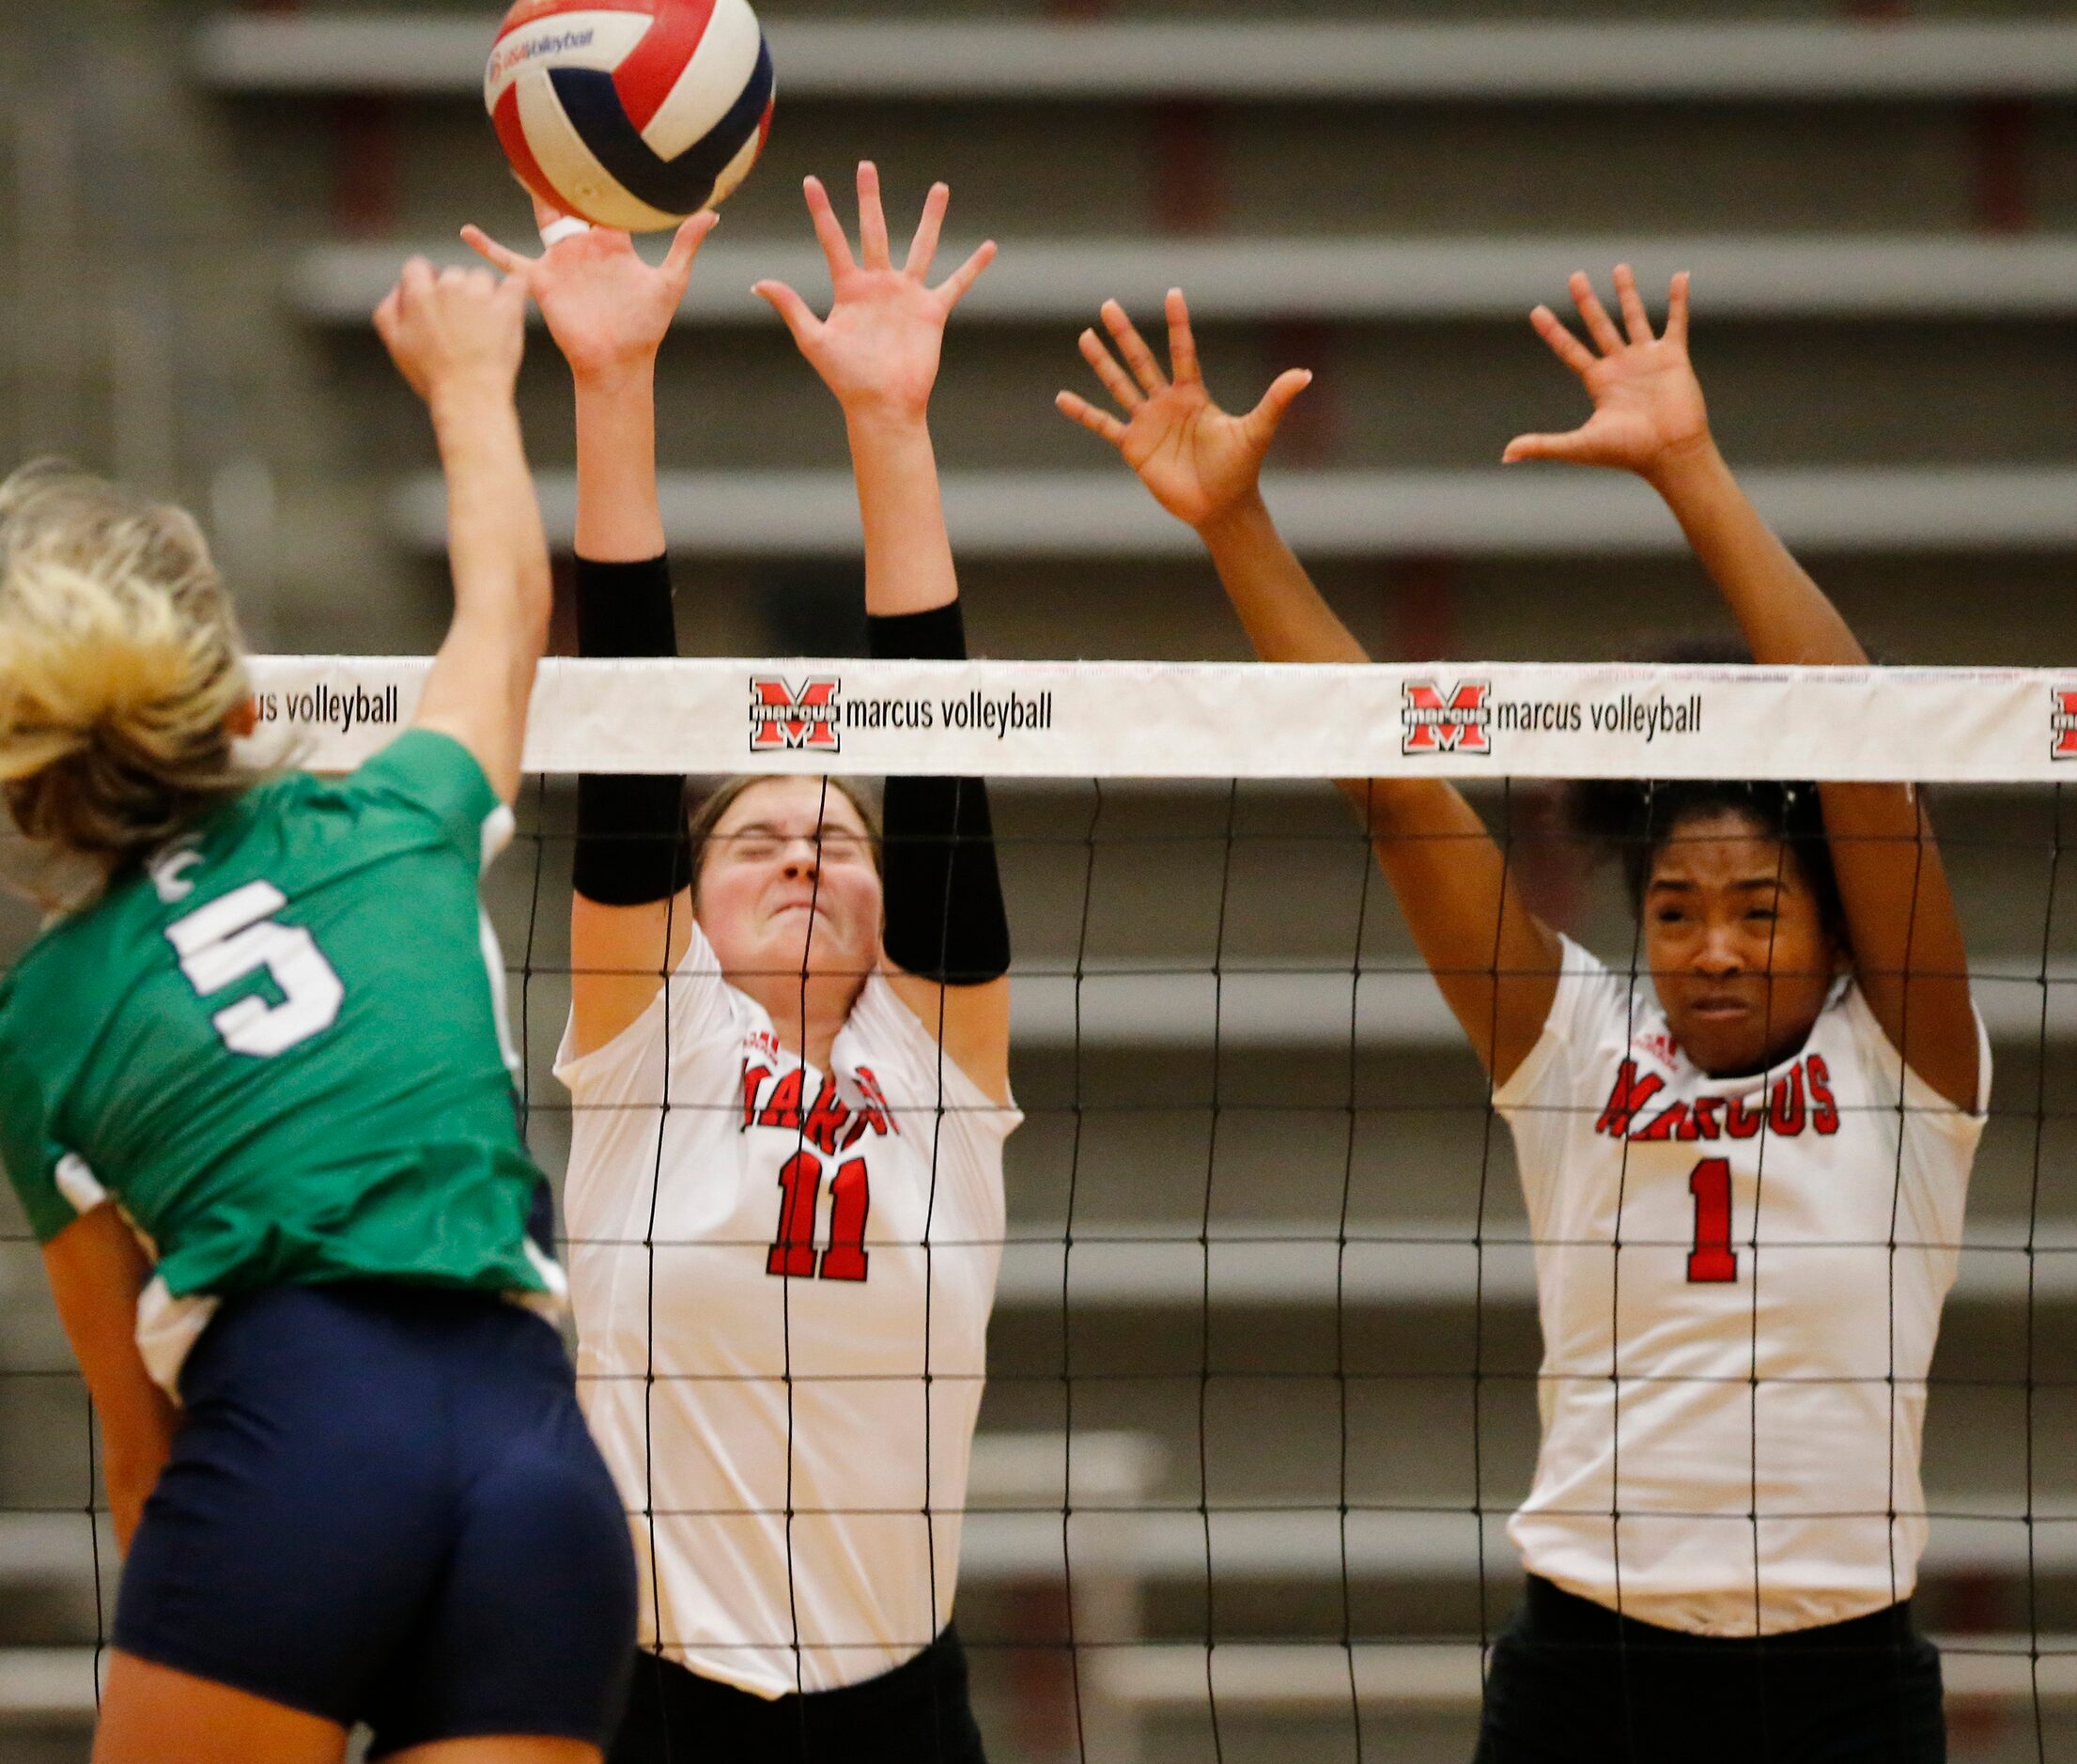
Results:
x,y
827,954
1720,1035
1730,1042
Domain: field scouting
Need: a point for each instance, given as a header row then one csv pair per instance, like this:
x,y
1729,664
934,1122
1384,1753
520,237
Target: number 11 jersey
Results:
x,y
782,1278
280,1047
1740,1283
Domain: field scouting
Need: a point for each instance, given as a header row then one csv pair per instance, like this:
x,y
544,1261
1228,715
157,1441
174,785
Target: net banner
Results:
x,y
1148,720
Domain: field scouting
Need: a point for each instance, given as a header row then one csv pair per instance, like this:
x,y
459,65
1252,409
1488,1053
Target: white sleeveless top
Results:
x,y
1733,1400
763,1275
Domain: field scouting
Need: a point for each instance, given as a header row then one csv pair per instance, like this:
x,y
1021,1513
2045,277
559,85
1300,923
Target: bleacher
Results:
x,y
1291,1356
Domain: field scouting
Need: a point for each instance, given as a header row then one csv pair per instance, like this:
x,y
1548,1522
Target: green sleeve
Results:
x,y
32,1159
435,775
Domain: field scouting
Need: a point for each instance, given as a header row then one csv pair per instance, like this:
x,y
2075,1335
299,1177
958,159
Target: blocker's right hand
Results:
x,y
607,310
1199,462
451,329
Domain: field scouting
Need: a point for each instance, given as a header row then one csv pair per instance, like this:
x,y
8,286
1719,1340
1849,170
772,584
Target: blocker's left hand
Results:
x,y
1648,410
878,350
607,310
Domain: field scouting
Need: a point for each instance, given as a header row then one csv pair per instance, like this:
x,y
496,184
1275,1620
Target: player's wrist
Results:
x,y
1236,521
622,374
471,391
1685,468
883,423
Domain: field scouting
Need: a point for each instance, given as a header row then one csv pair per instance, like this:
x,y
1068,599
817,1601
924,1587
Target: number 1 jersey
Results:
x,y
281,1048
1740,1282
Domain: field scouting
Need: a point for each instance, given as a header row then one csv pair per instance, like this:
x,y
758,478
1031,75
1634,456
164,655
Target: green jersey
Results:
x,y
281,1047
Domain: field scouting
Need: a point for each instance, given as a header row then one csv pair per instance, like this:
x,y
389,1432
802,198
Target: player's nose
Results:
x,y
1719,956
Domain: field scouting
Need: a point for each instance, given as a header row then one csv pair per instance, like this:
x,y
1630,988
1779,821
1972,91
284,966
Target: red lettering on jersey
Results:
x,y
1670,1125
1702,1121
850,1202
783,1108
1712,1261
1742,1122
1825,1108
753,1081
1629,1096
825,1119
793,1256
877,1111
1787,1106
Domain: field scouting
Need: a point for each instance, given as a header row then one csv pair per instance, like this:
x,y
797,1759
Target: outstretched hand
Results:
x,y
878,350
1649,409
606,309
1198,462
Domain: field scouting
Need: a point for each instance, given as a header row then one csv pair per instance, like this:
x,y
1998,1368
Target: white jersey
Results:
x,y
820,1243
1733,1400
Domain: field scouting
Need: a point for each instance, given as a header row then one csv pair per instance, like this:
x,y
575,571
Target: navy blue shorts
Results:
x,y
384,1506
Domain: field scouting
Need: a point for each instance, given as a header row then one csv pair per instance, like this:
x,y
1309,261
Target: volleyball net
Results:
x,y
1264,1371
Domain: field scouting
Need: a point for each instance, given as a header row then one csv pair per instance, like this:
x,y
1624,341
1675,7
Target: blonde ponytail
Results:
x,y
120,667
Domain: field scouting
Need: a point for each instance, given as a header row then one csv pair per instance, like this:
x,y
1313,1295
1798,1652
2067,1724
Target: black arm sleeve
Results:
x,y
632,843
945,918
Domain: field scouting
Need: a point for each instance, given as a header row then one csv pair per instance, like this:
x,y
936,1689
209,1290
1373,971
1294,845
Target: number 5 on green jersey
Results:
x,y
235,936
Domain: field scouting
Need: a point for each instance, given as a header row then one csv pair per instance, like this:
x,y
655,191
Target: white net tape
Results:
x,y
1130,720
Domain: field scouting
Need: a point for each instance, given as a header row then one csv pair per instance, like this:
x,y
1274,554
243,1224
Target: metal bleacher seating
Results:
x,y
938,59
1477,512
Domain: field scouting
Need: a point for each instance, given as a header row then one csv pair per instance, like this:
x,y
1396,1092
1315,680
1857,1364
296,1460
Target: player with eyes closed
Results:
x,y
1746,1181
789,1054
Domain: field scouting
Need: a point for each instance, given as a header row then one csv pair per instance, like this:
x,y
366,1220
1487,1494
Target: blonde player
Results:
x,y
256,1097
786,1188
1745,1183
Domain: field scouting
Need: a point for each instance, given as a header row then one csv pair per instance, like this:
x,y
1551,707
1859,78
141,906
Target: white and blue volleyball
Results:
x,y
632,113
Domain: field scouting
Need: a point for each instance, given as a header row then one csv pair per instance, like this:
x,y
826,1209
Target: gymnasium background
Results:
x,y
199,201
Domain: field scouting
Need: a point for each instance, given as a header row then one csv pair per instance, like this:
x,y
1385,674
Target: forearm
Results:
x,y
619,519
1288,620
1495,962
909,566
946,920
97,1268
1285,615
1787,619
132,1456
497,549
632,847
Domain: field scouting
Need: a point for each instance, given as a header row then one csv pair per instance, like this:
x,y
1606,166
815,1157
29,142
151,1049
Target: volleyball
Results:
x,y
632,113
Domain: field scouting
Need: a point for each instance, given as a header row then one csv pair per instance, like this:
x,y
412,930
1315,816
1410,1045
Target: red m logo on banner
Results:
x,y
2063,724
1455,724
782,718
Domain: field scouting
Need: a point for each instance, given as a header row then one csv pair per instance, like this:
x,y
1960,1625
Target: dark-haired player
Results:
x,y
1746,1182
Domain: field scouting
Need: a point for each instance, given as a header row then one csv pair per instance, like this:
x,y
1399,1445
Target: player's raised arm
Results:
x,y
947,939
1496,964
609,312
1649,417
457,336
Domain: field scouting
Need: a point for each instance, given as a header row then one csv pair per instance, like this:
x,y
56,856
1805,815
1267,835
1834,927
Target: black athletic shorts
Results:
x,y
918,1713
384,1507
1570,1682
